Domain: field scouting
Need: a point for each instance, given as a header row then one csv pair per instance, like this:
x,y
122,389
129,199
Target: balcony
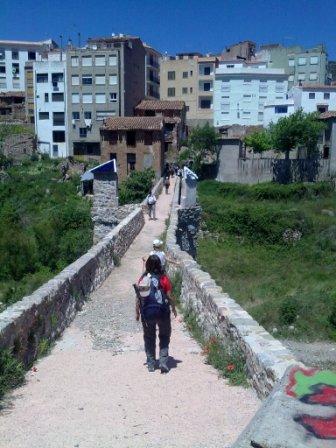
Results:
x,y
168,136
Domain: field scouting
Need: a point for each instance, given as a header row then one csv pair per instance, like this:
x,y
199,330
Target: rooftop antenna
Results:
x,y
61,39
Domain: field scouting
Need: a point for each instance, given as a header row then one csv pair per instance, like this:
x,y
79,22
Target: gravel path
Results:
x,y
94,391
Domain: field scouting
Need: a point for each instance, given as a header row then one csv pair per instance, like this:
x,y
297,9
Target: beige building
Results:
x,y
190,77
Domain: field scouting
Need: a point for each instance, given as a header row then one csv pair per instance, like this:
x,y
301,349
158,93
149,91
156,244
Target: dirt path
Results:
x,y
94,391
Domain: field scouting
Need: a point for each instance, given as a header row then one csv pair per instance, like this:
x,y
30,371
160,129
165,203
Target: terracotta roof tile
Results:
x,y
159,105
133,123
328,114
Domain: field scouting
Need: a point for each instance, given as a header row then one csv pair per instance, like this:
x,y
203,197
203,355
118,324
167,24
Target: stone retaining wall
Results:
x,y
42,316
218,314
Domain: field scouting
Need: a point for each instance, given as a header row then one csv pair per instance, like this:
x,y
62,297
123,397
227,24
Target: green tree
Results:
x,y
297,129
259,141
136,187
202,143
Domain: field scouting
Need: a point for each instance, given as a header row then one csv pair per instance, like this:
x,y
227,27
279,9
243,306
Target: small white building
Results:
x,y
13,56
242,89
50,105
308,97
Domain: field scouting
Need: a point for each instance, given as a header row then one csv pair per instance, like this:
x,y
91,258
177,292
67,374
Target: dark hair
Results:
x,y
153,265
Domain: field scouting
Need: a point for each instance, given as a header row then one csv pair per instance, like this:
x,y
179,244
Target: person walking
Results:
x,y
151,204
153,306
167,184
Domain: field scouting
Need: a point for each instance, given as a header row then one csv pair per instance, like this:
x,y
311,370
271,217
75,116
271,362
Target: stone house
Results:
x,y
136,143
12,106
174,114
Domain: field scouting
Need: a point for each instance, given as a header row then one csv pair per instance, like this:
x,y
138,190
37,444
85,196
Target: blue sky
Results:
x,y
175,25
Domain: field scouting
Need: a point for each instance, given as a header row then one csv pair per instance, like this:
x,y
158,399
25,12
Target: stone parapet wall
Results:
x,y
44,315
19,146
218,314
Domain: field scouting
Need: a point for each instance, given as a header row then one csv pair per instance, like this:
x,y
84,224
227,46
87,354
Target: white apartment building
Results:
x,y
50,105
13,56
241,90
308,97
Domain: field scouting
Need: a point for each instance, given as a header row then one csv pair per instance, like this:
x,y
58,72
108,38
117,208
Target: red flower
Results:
x,y
230,367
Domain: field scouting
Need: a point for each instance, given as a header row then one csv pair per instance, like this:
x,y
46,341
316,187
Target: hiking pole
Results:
x,y
137,293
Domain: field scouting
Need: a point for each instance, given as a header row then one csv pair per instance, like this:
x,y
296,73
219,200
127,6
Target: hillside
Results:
x,y
44,226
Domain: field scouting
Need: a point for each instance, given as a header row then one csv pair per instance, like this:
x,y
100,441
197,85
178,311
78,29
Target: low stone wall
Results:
x,y
218,314
19,146
44,315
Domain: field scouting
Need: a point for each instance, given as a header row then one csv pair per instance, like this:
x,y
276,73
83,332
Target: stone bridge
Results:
x,y
93,388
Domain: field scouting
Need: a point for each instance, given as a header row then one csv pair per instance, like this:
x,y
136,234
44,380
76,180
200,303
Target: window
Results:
x,y
247,96
46,97
131,161
263,87
185,75
130,138
148,140
59,136
207,86
31,56
322,108
279,87
302,61
55,150
191,72
74,61
2,69
301,76
87,61
112,60
260,116
313,76
43,115
113,97
246,112
87,115
325,152
326,96
291,78
113,80
57,97
112,138
57,77
102,114
100,80
280,109
42,77
75,80
15,54
3,85
100,61
171,76
113,155
206,71
205,104
247,81
184,90
87,98
311,96
230,66
187,108
87,79
191,90
314,60
291,62
171,91
82,132
225,107
58,119
225,86
100,98
75,98
2,54
16,85
75,115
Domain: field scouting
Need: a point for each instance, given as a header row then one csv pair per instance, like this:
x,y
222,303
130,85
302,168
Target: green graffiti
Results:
x,y
303,382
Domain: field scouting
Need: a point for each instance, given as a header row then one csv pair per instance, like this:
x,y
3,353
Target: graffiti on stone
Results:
x,y
314,387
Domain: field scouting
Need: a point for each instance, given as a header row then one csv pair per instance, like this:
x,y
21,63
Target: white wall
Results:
x,y
272,111
44,127
241,92
311,104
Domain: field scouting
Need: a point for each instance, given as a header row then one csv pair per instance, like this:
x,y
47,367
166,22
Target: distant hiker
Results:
x,y
167,184
151,201
157,250
154,301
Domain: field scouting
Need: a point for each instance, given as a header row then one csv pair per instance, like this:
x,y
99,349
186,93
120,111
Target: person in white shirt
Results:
x,y
151,201
157,250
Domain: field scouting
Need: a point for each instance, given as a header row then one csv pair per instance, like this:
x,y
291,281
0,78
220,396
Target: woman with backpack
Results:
x,y
167,184
153,305
151,201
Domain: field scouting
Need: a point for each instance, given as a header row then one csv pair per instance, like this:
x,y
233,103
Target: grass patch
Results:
x,y
11,372
286,283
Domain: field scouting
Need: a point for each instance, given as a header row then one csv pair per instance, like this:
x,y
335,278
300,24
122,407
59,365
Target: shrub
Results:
x,y
11,372
136,187
288,311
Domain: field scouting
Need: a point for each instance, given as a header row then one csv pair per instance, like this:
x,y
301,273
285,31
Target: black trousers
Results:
x,y
149,329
